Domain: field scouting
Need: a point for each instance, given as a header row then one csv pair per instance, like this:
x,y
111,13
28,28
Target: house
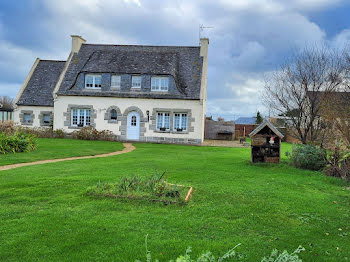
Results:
x,y
245,125
140,93
219,130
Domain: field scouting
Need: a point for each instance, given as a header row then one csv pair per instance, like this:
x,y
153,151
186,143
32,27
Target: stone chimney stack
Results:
x,y
204,54
77,41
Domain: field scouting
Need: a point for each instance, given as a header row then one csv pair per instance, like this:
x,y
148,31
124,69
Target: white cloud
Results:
x,y
249,38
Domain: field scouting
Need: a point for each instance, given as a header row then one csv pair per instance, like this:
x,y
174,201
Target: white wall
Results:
x,y
36,111
101,104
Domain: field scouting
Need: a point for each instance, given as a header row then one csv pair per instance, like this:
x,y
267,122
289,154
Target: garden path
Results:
x,y
128,147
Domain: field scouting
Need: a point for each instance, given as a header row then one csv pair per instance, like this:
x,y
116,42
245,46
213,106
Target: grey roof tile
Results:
x,y
38,91
183,63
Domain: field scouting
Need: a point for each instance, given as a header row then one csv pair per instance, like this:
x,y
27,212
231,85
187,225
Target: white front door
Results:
x,y
133,130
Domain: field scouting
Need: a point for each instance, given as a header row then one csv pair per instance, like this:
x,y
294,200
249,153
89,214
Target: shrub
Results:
x,y
338,163
20,142
10,129
91,133
308,157
59,133
7,127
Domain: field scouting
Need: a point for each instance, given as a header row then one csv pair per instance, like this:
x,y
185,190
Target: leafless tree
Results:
x,y
6,102
299,85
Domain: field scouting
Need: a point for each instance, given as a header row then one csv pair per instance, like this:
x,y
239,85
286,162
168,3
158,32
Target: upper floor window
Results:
x,y
160,84
136,82
93,81
115,81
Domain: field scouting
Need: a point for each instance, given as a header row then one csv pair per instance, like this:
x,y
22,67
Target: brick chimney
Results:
x,y
77,41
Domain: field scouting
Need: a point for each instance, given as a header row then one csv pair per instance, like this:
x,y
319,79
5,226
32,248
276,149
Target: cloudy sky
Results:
x,y
249,38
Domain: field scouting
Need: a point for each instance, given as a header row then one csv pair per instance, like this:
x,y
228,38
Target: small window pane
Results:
x,y
98,80
159,120
184,122
136,81
133,121
89,81
115,81
27,118
114,114
46,118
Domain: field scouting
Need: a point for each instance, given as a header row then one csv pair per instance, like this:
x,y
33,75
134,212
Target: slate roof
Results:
x,y
38,91
183,63
245,121
262,125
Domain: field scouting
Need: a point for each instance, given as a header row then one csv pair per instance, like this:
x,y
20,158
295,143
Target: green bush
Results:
x,y
308,157
59,133
91,133
19,142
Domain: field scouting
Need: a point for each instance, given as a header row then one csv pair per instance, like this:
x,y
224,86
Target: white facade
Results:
x,y
35,110
101,104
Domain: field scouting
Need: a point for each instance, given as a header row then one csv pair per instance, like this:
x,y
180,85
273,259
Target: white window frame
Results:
x,y
158,88
120,81
94,76
81,112
181,116
162,123
132,81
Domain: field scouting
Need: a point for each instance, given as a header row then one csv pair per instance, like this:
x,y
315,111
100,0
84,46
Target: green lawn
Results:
x,y
50,148
45,215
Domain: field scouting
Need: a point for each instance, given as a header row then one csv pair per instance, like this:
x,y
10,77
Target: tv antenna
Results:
x,y
201,29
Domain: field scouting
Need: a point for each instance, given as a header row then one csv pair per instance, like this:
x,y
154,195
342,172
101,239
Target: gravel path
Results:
x,y
127,148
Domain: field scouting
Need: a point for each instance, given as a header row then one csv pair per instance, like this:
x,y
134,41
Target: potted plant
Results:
x,y
179,129
162,129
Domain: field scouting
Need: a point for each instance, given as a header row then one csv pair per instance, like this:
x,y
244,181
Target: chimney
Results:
x,y
204,54
77,41
204,47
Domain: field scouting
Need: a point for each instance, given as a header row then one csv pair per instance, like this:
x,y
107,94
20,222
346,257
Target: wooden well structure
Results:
x,y
266,143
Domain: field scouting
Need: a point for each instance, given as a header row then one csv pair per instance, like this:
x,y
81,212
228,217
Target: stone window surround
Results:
x,y
108,115
41,118
68,115
172,111
21,117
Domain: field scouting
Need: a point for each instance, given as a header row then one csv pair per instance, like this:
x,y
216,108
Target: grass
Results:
x,y
50,148
45,214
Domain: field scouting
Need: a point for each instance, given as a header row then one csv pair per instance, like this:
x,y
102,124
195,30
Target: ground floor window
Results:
x,y
27,118
81,117
180,121
163,121
46,118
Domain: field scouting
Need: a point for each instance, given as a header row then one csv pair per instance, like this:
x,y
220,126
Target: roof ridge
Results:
x,y
179,46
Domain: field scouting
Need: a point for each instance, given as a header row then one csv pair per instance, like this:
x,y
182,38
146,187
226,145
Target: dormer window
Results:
x,y
160,84
93,81
115,81
136,82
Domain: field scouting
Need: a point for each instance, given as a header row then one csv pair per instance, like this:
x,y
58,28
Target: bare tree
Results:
x,y
6,102
300,84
